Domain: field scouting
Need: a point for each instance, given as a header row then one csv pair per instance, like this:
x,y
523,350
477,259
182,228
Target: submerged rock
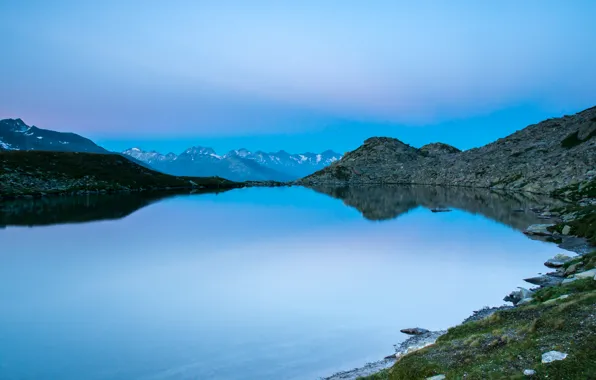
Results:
x,y
552,356
440,209
414,331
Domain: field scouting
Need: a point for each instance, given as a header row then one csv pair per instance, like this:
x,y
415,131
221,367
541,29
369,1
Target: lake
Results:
x,y
255,283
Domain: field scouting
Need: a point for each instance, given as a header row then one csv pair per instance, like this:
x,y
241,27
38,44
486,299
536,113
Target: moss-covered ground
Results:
x,y
503,345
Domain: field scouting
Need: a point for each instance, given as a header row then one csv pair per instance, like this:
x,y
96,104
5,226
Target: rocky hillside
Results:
x,y
38,173
539,158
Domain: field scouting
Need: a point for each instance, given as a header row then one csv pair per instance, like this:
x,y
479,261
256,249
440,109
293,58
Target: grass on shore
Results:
x,y
509,341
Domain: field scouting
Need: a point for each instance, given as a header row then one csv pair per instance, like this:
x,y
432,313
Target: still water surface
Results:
x,y
279,283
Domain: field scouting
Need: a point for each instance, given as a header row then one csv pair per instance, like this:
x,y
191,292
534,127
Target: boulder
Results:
x,y
566,230
557,261
437,377
544,280
529,372
414,331
569,280
552,356
525,301
539,230
587,274
571,269
517,296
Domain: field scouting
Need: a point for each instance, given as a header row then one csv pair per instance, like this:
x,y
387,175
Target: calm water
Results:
x,y
283,283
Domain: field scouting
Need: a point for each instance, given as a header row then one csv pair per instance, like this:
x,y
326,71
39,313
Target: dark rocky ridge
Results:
x,y
539,158
39,173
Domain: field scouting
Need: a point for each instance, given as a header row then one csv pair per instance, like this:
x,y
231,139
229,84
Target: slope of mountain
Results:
x,y
239,165
43,172
539,158
16,135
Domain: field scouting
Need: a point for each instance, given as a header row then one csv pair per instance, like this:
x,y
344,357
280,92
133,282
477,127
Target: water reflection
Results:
x,y
389,202
76,209
268,284
373,202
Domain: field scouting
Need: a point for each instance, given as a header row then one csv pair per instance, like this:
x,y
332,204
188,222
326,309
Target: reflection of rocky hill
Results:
x,y
74,209
388,202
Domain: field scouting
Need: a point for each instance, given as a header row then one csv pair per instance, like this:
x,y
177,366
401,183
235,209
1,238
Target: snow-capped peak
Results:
x,y
15,125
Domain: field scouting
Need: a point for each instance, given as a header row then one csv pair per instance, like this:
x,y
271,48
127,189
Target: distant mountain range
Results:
x,y
240,164
236,165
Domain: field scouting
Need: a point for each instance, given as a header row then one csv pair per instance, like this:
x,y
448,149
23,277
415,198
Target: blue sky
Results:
x,y
301,76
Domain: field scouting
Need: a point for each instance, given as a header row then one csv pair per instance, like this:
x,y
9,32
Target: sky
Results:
x,y
300,76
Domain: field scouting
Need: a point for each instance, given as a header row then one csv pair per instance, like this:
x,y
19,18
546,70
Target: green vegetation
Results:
x,y
583,224
503,345
37,172
584,221
382,375
577,191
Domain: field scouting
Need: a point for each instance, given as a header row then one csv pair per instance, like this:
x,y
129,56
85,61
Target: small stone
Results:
x,y
586,274
529,372
566,230
437,377
552,356
414,331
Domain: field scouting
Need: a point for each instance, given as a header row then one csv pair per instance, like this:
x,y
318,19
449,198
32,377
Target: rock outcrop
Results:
x,y
539,158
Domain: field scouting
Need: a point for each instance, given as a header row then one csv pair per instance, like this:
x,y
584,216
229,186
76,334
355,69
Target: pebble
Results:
x,y
552,356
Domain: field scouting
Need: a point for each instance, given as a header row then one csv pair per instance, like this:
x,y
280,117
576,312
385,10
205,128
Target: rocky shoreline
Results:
x,y
567,269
